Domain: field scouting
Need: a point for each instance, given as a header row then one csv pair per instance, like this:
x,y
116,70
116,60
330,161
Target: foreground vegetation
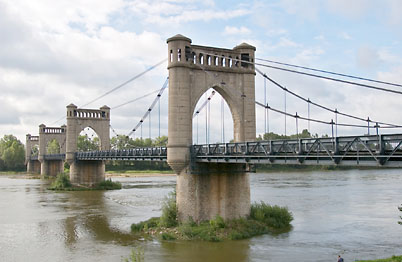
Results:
x,y
263,219
62,183
391,259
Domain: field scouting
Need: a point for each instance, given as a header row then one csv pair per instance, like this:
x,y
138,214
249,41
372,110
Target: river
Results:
x,y
352,213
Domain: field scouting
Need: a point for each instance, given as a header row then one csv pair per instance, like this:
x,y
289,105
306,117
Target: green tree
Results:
x,y
84,143
161,141
53,147
12,153
273,136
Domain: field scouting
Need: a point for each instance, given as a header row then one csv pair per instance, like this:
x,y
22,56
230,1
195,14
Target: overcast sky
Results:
x,y
53,53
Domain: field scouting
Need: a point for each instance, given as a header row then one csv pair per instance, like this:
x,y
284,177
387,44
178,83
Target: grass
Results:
x,y
136,255
62,183
391,259
263,219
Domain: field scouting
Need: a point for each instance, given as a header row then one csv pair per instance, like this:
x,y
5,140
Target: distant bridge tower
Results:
x,y
205,190
93,171
33,166
51,167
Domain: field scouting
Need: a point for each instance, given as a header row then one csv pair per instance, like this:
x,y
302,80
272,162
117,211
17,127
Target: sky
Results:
x,y
53,53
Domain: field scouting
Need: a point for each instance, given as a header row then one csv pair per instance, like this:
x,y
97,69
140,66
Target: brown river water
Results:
x,y
352,213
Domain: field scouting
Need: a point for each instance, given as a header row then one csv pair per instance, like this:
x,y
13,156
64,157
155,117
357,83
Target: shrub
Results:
x,y
272,216
218,222
108,185
62,182
136,255
169,211
167,236
145,225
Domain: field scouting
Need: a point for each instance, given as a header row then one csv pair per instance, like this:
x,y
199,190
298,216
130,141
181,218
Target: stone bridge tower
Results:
x,y
207,190
51,167
87,172
33,166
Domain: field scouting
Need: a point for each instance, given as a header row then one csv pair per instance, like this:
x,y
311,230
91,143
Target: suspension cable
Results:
x,y
311,119
328,72
319,105
150,108
125,83
136,99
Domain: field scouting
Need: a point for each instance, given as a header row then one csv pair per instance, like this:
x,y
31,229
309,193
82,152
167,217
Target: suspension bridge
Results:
x,y
213,177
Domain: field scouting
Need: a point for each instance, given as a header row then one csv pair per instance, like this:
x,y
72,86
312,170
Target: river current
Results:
x,y
353,213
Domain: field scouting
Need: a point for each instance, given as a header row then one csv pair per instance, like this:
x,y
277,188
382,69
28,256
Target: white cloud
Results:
x,y
367,57
232,30
345,36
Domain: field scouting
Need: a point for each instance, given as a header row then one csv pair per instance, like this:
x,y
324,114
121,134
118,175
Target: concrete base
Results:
x,y
51,167
213,189
87,173
33,167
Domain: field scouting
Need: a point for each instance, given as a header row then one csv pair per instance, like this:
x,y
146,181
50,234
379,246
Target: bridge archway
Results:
x,y
88,140
207,190
208,115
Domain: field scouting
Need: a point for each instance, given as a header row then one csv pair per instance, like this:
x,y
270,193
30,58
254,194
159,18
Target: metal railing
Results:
x,y
352,150
134,154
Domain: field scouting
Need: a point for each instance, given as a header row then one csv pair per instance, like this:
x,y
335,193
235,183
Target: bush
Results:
x,y
272,216
136,255
169,211
145,225
167,236
62,182
108,185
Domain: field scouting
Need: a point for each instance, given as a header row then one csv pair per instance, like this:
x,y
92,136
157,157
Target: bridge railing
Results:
x,y
351,150
141,154
50,157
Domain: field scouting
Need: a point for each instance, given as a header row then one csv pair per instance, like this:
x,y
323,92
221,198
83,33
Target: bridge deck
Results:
x,y
383,150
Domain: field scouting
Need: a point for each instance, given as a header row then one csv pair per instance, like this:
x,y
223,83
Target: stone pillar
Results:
x,y
180,113
205,190
86,173
42,151
216,189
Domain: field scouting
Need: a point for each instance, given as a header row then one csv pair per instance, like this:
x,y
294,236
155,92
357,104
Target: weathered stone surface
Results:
x,y
220,189
86,172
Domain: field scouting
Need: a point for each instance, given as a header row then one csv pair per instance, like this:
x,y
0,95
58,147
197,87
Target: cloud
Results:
x,y
232,30
167,13
367,57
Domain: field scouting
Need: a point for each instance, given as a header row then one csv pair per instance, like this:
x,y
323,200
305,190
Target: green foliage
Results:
x,y
391,259
53,147
145,225
263,219
169,211
167,236
136,255
218,222
108,185
120,142
272,216
84,143
62,182
273,136
12,153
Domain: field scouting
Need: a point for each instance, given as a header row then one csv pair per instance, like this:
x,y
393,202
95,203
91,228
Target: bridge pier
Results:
x,y
213,189
51,167
87,173
33,167
205,190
